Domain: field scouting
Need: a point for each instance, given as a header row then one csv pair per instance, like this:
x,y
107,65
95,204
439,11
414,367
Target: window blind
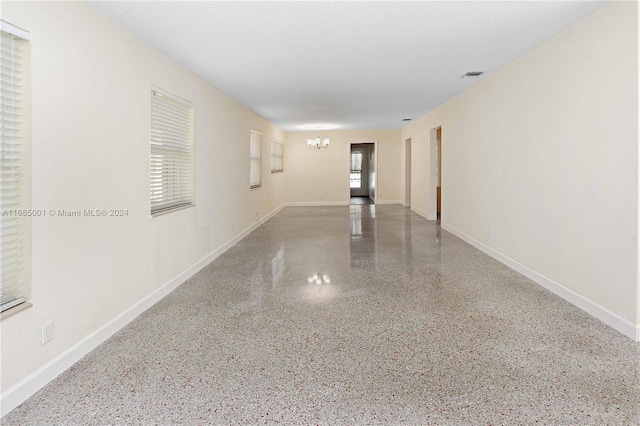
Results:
x,y
277,156
255,160
15,222
171,153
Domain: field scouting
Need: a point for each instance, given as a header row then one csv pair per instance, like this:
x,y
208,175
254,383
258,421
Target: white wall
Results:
x,y
544,152
322,176
90,149
421,175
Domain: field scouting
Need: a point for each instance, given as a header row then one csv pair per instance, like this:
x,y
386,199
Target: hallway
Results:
x,y
358,314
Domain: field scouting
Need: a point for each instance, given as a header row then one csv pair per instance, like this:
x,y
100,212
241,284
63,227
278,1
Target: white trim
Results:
x,y
332,203
404,167
35,381
316,203
13,30
375,167
612,319
421,213
389,202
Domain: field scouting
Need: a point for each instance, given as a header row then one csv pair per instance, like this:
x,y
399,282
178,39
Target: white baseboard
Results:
x,y
332,203
612,319
35,381
421,213
316,203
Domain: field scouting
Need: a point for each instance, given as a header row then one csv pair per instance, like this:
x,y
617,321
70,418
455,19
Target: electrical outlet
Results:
x,y
47,332
490,233
232,227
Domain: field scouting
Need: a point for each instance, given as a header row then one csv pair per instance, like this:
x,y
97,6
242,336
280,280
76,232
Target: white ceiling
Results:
x,y
355,65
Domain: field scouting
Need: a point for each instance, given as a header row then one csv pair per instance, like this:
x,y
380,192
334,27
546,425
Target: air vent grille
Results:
x,y
473,74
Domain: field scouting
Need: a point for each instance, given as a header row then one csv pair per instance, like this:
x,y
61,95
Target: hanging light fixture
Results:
x,y
317,144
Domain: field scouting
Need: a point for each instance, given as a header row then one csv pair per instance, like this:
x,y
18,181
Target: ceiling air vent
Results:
x,y
406,119
473,74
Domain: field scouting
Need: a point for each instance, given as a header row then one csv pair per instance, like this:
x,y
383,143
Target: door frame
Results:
x,y
375,168
432,189
363,190
407,171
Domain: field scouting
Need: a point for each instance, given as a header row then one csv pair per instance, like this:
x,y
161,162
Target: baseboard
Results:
x,y
421,213
21,391
612,319
333,203
249,229
316,203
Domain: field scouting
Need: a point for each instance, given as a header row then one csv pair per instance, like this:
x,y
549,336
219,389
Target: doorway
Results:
x,y
436,191
362,179
407,173
439,172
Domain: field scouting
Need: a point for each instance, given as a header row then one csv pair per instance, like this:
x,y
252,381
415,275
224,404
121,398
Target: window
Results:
x,y
277,156
171,152
15,223
255,160
355,174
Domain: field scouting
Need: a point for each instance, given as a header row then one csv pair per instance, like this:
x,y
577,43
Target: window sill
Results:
x,y
12,311
175,209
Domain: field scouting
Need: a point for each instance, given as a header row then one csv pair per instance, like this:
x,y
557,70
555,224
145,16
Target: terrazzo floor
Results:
x,y
352,315
360,200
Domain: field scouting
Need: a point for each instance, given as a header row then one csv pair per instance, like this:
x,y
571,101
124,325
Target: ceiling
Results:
x,y
352,65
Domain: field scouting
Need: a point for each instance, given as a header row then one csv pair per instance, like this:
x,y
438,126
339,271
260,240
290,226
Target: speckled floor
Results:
x,y
352,315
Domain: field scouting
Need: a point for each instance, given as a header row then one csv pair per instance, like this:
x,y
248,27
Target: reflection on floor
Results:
x,y
352,315
361,200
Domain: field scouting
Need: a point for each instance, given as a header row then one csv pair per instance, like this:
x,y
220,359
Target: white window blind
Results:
x,y
171,152
255,160
277,156
15,266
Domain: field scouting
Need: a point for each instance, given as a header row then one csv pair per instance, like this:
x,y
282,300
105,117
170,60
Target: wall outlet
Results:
x,y
232,228
47,332
490,233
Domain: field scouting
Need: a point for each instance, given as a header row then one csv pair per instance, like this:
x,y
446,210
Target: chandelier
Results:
x,y
317,143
